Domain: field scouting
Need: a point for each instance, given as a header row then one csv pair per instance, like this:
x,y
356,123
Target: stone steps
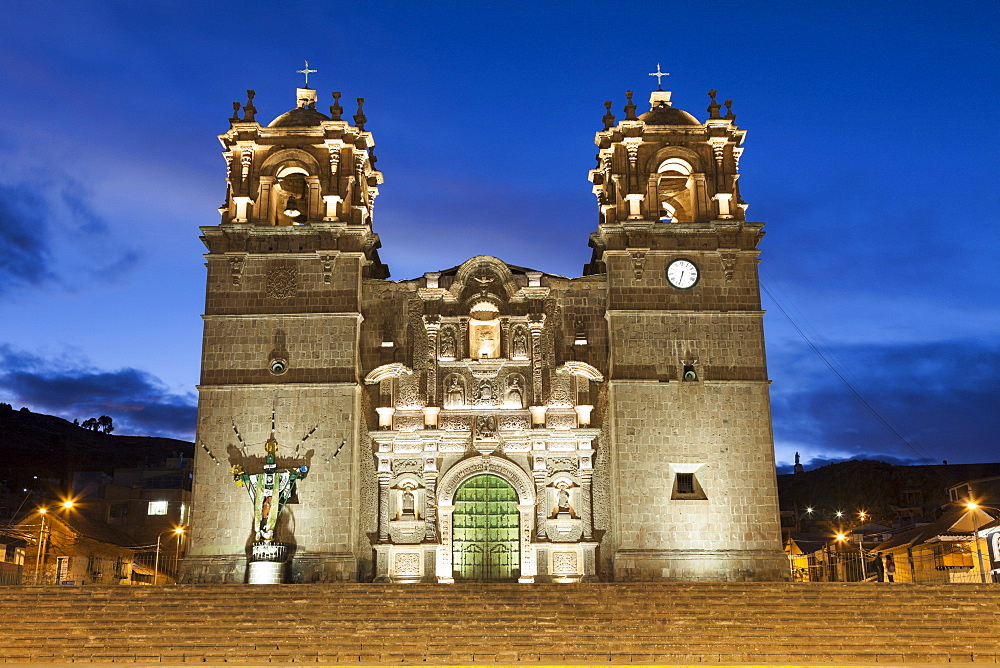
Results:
x,y
501,623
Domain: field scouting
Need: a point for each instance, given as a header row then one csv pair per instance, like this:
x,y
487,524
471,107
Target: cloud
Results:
x,y
24,239
941,397
51,235
136,400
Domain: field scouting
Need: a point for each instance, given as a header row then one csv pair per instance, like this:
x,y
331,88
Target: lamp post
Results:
x,y
972,506
177,531
43,536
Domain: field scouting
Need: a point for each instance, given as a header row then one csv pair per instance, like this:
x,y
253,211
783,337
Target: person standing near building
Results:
x,y
890,568
879,567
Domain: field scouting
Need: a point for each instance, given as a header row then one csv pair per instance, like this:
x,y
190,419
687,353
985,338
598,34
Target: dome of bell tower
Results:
x,y
661,113
303,115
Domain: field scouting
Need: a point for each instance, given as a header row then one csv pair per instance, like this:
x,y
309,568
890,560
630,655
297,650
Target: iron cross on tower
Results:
x,y
306,72
658,74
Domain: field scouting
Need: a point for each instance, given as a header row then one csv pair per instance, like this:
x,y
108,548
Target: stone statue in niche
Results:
x,y
407,502
515,395
519,347
485,392
486,426
562,499
456,394
448,344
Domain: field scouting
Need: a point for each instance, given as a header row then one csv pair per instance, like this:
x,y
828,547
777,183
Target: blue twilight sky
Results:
x,y
871,155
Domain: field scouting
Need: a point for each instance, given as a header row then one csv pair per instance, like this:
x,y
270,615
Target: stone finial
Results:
x,y
730,116
609,118
249,111
236,113
336,110
713,108
630,107
359,118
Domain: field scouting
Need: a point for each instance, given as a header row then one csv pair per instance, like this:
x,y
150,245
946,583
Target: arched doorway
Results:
x,y
485,524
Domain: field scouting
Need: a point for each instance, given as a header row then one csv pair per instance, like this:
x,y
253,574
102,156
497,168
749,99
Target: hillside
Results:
x,y
52,448
875,486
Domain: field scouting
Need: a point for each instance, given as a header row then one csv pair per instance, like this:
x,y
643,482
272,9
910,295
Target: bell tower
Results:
x,y
692,484
281,327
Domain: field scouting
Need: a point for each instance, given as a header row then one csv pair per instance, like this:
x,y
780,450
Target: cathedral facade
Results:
x,y
487,422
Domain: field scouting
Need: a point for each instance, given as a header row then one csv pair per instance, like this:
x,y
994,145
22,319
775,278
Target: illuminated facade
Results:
x,y
489,421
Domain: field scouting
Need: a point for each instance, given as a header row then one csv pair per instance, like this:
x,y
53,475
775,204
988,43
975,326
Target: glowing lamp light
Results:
x,y
42,511
971,505
809,510
68,503
840,513
841,536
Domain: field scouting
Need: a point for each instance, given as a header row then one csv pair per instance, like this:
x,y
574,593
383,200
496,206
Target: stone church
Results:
x,y
488,422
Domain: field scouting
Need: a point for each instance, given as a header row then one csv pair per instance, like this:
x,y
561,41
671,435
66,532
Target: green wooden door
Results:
x,y
485,544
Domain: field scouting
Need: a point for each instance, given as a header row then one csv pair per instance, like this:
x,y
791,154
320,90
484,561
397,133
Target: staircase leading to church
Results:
x,y
503,623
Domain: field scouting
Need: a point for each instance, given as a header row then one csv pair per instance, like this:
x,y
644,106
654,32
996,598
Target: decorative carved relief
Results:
x,y
406,563
556,421
560,393
456,423
454,392
565,562
519,343
236,269
409,392
328,265
282,282
449,343
514,422
514,396
407,466
486,393
638,262
408,422
728,264
486,426
563,465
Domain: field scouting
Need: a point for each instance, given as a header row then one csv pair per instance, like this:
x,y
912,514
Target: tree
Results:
x,y
90,423
106,424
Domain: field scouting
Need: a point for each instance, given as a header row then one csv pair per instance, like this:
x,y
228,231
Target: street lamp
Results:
x,y
973,506
177,531
861,553
43,537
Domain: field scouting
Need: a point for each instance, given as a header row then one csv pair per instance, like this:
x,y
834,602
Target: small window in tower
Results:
x,y
690,373
686,486
685,483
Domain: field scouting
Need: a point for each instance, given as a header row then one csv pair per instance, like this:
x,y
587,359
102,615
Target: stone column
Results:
x,y
432,325
585,505
383,506
462,345
538,474
535,327
430,499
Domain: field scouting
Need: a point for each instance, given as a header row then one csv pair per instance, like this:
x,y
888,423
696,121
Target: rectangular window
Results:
x,y
685,483
157,508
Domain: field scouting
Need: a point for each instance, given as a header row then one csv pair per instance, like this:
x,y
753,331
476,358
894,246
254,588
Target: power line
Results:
x,y
857,394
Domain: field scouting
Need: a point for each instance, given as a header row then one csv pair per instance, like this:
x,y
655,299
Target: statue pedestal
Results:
x,y
267,563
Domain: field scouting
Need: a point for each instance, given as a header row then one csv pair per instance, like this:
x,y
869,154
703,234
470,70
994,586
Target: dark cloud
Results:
x,y
24,239
941,397
137,401
37,213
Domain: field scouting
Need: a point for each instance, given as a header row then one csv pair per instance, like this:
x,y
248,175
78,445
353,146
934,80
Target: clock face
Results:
x,y
682,274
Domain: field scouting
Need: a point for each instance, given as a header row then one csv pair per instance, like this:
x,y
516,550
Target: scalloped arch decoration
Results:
x,y
504,468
